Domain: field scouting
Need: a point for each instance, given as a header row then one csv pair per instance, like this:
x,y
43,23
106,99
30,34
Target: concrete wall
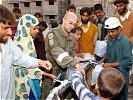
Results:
x,y
59,8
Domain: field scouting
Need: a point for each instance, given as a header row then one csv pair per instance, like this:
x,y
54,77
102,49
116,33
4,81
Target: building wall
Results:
x,y
131,5
109,9
58,9
50,10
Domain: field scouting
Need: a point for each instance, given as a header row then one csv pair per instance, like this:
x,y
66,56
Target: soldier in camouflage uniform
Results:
x,y
60,47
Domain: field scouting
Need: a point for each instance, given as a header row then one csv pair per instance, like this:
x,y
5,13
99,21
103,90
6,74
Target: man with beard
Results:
x,y
126,19
11,54
89,34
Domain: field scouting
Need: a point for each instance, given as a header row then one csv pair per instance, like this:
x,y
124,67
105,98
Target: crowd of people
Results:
x,y
33,53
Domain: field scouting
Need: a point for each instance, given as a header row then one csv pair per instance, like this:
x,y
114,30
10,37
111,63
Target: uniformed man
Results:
x,y
61,47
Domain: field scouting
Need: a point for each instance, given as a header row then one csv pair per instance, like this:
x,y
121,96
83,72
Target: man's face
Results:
x,y
85,18
92,17
113,33
42,28
17,14
121,8
39,18
99,14
69,23
5,32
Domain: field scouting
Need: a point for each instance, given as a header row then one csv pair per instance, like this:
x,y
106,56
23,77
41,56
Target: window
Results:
x,y
26,4
16,5
51,2
69,2
51,17
38,3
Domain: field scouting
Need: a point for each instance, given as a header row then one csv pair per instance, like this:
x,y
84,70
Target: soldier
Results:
x,y
61,47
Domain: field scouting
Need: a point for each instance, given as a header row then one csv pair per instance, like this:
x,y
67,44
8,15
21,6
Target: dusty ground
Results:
x,y
130,93
130,96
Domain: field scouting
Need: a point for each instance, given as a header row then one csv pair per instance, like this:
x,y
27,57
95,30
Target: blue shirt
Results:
x,y
120,50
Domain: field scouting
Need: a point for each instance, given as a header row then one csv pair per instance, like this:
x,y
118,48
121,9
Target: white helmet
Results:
x,y
112,22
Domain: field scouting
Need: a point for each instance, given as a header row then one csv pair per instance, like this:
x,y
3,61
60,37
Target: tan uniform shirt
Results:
x,y
60,50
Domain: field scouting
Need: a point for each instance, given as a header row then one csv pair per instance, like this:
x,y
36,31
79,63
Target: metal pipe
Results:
x,y
66,83
56,90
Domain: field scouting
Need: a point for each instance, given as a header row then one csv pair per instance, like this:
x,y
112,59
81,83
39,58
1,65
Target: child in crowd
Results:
x,y
77,31
54,24
39,41
17,15
109,84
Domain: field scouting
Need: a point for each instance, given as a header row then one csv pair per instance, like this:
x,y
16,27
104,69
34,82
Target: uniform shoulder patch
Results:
x,y
50,36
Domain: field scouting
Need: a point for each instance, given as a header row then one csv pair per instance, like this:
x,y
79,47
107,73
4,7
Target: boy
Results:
x,y
110,83
71,8
17,15
117,55
77,31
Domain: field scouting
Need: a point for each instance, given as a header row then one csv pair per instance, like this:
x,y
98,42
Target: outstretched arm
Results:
x,y
82,92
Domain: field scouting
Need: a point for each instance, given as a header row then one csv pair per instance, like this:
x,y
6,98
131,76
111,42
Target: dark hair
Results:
x,y
98,7
92,9
54,24
75,29
72,6
38,13
16,9
6,16
43,23
121,1
110,82
85,9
